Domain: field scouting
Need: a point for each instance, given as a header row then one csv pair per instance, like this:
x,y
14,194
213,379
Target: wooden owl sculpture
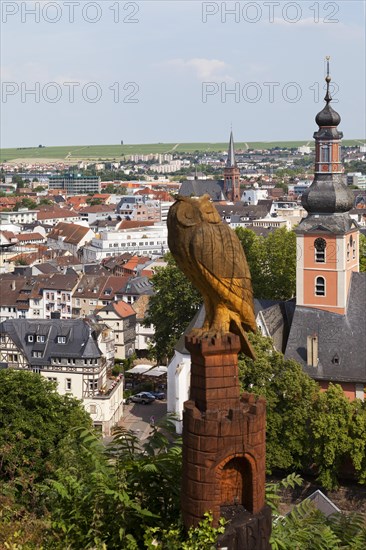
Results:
x,y
210,254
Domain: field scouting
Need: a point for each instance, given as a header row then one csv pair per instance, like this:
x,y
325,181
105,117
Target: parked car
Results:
x,y
143,397
158,394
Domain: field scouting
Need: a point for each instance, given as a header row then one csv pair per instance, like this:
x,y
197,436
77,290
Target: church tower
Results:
x,y
231,175
327,239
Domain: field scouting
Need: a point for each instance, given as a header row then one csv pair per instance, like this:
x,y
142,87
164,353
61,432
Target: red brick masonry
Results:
x,y
223,434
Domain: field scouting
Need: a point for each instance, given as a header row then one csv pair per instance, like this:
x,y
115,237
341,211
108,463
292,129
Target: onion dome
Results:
x,y
328,116
327,195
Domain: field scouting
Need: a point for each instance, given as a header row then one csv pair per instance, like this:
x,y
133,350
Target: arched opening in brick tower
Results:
x,y
236,483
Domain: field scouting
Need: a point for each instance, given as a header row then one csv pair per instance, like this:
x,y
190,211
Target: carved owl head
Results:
x,y
189,211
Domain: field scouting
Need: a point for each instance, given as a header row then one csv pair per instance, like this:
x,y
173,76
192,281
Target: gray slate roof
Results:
x,y
339,336
80,340
197,188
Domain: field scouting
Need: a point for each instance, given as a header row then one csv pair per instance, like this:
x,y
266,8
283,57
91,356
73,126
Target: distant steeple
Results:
x,y
231,174
231,162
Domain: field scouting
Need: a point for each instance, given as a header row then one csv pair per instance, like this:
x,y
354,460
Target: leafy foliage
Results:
x,y
290,395
338,429
307,528
362,250
322,430
35,420
171,308
272,262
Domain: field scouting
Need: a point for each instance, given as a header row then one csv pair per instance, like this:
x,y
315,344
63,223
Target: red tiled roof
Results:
x,y
123,309
130,224
71,232
97,208
56,213
24,237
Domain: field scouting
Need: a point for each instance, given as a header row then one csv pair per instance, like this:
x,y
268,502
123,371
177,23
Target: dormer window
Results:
x,y
61,339
320,246
40,338
30,338
336,359
320,286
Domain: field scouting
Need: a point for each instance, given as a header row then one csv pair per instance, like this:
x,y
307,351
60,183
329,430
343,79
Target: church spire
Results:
x,y
231,162
231,174
328,193
327,239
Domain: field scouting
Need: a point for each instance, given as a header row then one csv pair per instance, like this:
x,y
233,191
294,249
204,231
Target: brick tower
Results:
x,y
327,239
224,447
231,175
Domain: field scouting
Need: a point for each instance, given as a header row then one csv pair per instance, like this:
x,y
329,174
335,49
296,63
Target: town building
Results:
x,y
69,236
75,354
93,292
357,179
76,184
52,215
144,334
91,214
121,318
149,241
20,217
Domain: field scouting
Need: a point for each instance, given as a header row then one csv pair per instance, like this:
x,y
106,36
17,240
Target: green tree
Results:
x,y
94,202
290,395
362,248
34,422
272,262
171,308
338,431
25,203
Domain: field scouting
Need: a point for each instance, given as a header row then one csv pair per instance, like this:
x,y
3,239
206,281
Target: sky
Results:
x,y
83,72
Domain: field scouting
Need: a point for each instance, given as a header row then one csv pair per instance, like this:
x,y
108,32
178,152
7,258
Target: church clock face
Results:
x,y
320,244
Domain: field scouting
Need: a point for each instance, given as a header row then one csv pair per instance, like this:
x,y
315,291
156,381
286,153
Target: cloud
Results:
x,y
204,69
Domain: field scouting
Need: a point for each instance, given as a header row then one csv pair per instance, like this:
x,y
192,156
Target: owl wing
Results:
x,y
220,258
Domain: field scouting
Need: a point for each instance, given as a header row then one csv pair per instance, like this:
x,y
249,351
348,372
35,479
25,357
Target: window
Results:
x,y
40,338
61,339
93,409
30,338
325,153
68,384
36,312
320,246
93,385
320,286
37,354
52,379
348,252
13,357
352,243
